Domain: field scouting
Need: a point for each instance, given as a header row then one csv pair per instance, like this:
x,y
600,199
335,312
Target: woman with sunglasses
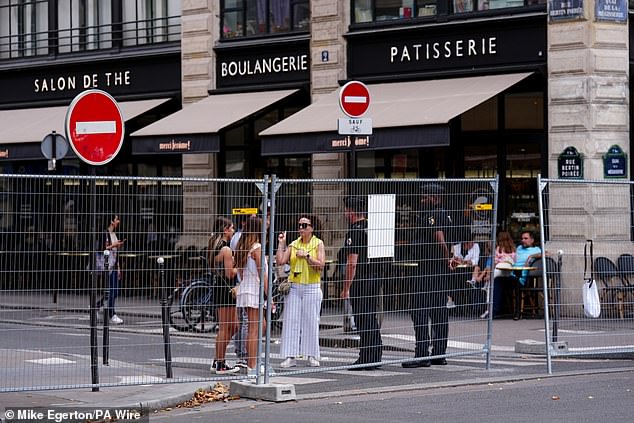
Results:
x,y
307,256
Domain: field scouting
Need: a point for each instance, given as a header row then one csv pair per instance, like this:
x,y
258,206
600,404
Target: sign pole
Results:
x,y
353,157
94,346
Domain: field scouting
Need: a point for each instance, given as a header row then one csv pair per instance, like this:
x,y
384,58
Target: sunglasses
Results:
x,y
303,225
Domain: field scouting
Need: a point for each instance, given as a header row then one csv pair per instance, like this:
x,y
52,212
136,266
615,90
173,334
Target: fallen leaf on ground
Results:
x,y
220,392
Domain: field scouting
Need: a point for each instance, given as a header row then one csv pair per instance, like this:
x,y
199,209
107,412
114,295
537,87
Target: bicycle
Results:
x,y
191,306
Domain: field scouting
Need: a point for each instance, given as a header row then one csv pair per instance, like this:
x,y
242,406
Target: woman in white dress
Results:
x,y
249,262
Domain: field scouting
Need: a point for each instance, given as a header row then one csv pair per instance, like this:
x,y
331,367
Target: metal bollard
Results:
x,y
106,311
165,321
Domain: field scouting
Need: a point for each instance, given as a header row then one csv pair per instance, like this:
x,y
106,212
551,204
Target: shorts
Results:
x,y
222,294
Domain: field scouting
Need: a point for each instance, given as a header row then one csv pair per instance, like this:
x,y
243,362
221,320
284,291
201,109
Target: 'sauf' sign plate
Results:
x,y
354,126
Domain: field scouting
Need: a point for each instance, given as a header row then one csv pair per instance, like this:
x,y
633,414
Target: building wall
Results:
x,y
588,108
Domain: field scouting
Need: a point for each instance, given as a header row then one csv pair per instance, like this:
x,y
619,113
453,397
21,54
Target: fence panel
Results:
x,y
573,212
400,278
54,231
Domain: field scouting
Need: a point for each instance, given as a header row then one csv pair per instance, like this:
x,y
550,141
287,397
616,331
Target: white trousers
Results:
x,y
300,327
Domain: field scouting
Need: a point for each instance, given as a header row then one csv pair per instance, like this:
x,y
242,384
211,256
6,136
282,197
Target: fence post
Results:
x,y
106,310
167,347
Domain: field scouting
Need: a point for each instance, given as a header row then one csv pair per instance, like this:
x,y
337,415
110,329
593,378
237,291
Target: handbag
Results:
x,y
591,303
284,287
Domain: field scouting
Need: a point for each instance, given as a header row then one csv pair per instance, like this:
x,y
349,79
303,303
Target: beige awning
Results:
x,y
32,125
404,104
210,115
195,128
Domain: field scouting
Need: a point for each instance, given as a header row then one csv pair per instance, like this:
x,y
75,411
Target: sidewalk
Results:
x,y
159,396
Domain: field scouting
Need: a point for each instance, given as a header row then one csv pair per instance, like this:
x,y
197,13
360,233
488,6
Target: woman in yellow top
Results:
x,y
307,255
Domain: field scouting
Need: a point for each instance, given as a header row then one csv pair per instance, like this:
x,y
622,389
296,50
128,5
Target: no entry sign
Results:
x,y
94,127
354,98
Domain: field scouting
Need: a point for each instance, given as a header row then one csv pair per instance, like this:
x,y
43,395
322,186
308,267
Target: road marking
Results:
x,y
472,346
299,380
96,127
373,373
148,380
49,361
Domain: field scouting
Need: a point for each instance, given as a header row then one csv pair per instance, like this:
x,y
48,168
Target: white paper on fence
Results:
x,y
381,224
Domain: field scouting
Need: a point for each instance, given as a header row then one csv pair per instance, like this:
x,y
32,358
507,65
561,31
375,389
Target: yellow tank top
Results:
x,y
301,272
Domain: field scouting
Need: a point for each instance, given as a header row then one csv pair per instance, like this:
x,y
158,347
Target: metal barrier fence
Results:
x,y
170,321
571,213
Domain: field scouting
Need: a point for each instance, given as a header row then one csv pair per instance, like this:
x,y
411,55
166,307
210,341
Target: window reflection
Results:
x,y
243,18
390,10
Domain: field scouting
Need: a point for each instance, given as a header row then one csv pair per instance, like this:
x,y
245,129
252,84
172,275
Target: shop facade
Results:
x,y
486,87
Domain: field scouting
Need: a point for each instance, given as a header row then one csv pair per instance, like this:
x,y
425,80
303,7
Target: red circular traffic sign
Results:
x,y
354,98
94,127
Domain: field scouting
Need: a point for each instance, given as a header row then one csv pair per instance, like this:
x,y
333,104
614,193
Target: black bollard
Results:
x,y
165,320
106,310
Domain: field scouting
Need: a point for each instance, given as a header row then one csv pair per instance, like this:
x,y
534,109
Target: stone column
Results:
x,y
329,21
199,32
588,66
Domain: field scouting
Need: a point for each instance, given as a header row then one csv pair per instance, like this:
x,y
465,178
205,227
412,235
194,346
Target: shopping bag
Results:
x,y
591,304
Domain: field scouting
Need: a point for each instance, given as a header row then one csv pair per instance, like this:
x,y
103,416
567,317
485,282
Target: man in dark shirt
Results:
x,y
361,285
430,285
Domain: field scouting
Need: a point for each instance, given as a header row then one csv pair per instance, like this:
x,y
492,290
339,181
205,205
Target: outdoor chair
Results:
x,y
625,265
532,293
611,291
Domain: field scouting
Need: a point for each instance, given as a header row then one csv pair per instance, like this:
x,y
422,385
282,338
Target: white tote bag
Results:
x,y
591,304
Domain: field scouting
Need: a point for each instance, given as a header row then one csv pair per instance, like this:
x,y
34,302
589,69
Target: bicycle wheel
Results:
x,y
176,318
278,300
197,308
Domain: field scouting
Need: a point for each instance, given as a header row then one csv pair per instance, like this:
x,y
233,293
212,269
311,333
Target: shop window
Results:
x,y
366,11
23,28
387,164
480,161
524,111
244,18
483,117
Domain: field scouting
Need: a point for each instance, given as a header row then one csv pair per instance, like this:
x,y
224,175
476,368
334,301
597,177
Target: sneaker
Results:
x,y
313,362
289,362
116,320
219,367
451,304
484,315
253,373
472,283
241,363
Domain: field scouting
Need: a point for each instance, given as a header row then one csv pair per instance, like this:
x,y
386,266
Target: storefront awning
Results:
x,y
24,129
404,115
195,128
